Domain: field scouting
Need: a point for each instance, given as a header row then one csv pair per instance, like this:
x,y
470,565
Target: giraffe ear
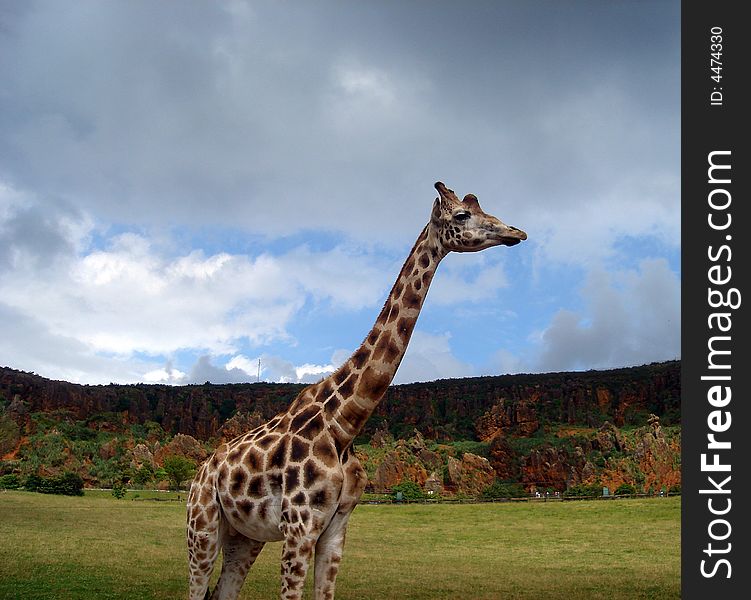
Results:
x,y
470,200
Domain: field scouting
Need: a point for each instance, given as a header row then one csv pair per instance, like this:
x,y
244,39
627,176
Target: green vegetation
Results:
x,y
625,489
9,434
584,491
408,490
503,489
118,491
178,469
95,546
67,484
11,481
461,447
141,495
547,430
142,476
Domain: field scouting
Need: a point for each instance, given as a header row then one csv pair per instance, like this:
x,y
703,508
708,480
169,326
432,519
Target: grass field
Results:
x,y
96,546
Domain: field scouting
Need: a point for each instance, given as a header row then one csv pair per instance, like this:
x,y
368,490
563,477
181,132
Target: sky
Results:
x,y
185,190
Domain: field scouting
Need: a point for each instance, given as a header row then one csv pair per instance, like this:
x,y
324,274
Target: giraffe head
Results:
x,y
462,226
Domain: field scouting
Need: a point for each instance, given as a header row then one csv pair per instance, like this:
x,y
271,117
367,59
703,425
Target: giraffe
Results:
x,y
296,479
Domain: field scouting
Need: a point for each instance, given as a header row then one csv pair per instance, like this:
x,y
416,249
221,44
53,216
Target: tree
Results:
x,y
143,475
178,469
118,490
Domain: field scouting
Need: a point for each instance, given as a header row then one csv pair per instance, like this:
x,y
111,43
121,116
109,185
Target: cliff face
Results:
x,y
472,408
542,432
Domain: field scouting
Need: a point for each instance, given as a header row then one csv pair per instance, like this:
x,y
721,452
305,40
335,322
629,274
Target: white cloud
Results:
x,y
429,357
204,370
241,368
307,371
632,318
243,363
504,362
166,374
466,279
240,121
132,297
344,275
28,345
372,85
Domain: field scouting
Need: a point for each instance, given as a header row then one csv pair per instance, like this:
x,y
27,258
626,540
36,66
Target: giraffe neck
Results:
x,y
362,380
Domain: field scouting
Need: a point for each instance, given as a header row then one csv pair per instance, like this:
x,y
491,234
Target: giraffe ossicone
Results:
x,y
296,479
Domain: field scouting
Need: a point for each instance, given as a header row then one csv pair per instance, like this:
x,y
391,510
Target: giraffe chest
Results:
x,y
265,488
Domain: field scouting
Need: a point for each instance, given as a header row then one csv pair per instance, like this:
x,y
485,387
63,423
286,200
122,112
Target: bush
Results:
x,y
118,491
409,489
33,482
625,489
501,489
67,484
10,482
584,491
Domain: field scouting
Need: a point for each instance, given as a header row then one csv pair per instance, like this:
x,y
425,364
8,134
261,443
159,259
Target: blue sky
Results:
x,y
183,192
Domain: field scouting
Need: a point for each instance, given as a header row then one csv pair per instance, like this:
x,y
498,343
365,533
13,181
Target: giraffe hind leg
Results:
x,y
238,555
328,555
330,545
204,515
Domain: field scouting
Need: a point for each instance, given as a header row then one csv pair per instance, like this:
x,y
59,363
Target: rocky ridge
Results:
x,y
548,431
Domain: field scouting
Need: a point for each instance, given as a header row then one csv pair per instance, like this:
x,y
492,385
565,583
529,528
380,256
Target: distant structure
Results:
x,y
295,479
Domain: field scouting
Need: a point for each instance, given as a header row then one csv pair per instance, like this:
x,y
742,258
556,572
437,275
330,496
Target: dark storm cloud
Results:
x,y
133,132
35,237
276,119
203,370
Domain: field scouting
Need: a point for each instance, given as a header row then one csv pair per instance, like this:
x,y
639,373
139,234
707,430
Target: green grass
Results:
x,y
96,546
141,495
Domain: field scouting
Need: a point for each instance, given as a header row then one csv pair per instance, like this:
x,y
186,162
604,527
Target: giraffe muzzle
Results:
x,y
510,236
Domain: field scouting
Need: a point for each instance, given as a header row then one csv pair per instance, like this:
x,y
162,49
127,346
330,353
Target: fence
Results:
x,y
559,498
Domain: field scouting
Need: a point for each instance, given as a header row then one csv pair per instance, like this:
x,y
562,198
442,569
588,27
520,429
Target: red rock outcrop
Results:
x,y
238,424
470,475
181,445
504,459
506,417
398,465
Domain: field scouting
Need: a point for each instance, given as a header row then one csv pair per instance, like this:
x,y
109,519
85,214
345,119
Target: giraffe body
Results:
x,y
296,479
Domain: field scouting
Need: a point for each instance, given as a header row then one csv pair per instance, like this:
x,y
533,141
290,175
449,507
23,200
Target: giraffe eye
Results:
x,y
461,217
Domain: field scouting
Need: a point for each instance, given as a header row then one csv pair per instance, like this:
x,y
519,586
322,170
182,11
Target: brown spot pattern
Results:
x,y
298,450
312,428
373,384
